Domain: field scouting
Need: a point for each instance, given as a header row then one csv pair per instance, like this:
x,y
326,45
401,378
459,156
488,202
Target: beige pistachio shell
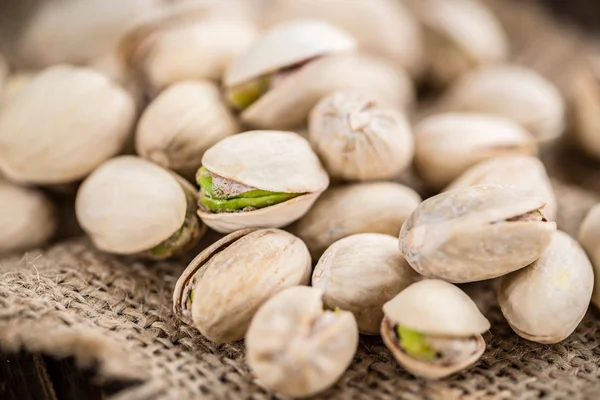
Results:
x,y
514,92
584,97
27,218
378,207
475,233
523,172
447,144
545,301
359,274
357,139
63,124
382,27
182,123
589,238
297,349
234,277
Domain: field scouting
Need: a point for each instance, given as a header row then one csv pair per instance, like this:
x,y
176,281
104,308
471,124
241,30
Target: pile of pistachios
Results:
x,y
286,125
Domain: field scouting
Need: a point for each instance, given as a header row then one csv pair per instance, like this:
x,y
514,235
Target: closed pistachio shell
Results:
x,y
358,139
523,172
584,99
545,301
447,144
359,274
589,238
182,123
224,286
296,348
378,207
27,218
63,124
475,233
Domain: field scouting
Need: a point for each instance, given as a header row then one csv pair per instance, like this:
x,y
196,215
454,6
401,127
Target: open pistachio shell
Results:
x,y
589,238
224,286
435,309
584,97
475,233
545,301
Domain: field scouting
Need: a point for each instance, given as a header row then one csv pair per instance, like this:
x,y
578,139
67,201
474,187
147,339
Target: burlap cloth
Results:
x,y
115,314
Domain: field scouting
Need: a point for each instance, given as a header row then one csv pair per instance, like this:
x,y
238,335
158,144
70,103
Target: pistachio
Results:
x,y
224,286
183,122
433,329
589,238
545,301
585,105
27,218
357,139
296,348
523,172
258,179
447,144
359,274
131,206
62,125
475,233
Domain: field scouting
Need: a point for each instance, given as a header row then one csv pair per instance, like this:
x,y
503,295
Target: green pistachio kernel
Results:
x,y
242,97
414,344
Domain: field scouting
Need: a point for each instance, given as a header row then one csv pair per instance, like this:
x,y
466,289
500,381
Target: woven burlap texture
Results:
x,y
115,314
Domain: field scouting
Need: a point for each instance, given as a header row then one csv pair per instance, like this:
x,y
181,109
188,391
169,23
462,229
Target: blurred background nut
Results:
x,y
545,301
4,69
131,206
224,286
433,329
448,144
523,172
27,218
357,139
378,207
182,123
475,233
63,124
589,238
584,97
359,274
296,348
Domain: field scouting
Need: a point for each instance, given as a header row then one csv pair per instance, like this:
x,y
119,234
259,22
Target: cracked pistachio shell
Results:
x,y
523,172
62,125
27,218
129,205
357,139
382,27
433,307
377,207
585,105
448,144
466,234
589,238
183,122
232,278
275,161
296,348
360,273
459,36
514,92
545,301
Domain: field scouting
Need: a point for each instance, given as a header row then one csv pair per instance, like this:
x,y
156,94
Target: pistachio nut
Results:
x,y
296,348
381,27
523,172
589,238
475,233
514,92
62,125
447,144
258,179
433,329
359,274
132,206
224,286
377,207
183,122
459,35
584,100
545,301
27,218
357,139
